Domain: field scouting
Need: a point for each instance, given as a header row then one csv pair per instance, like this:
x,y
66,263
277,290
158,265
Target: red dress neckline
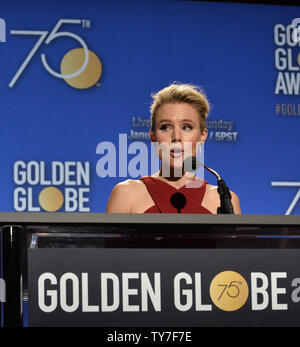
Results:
x,y
161,192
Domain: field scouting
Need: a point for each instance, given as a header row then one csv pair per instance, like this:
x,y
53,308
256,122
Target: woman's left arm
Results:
x,y
235,203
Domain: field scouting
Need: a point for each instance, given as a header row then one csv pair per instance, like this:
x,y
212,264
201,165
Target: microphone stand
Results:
x,y
224,192
225,196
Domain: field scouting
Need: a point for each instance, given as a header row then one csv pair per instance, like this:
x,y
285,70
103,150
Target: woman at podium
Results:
x,y
178,127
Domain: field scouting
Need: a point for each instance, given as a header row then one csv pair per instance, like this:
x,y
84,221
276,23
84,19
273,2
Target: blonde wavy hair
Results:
x,y
177,93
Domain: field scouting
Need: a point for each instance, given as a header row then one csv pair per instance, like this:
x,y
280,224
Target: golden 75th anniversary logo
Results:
x,y
80,67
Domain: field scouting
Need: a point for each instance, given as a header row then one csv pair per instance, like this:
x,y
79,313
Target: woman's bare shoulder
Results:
x,y
129,186
124,195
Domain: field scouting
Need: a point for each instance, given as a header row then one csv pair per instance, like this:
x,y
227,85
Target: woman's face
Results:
x,y
178,126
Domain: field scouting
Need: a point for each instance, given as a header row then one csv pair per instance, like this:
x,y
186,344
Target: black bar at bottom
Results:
x,y
12,275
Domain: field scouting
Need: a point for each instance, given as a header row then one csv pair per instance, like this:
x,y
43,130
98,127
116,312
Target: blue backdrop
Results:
x,y
242,55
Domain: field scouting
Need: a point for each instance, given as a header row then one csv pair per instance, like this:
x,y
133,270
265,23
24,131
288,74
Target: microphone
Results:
x,y
191,164
178,200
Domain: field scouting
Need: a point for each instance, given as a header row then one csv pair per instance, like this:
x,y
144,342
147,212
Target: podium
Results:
x,y
150,270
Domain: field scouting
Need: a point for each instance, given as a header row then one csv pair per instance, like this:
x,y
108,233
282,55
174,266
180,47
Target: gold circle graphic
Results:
x,y
51,199
229,290
72,62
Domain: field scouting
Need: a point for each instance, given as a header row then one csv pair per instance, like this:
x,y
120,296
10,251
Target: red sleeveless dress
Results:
x,y
161,193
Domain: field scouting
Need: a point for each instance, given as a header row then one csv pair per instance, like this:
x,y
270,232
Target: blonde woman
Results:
x,y
178,121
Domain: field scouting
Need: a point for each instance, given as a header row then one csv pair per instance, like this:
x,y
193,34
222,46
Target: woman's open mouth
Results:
x,y
176,152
